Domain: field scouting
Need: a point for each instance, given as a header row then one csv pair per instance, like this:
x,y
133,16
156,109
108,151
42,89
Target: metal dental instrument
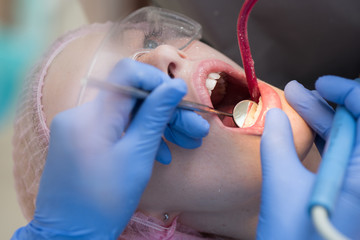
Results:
x,y
241,111
141,94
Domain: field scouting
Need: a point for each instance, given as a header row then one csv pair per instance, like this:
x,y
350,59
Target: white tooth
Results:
x,y
210,83
255,114
214,76
221,86
210,92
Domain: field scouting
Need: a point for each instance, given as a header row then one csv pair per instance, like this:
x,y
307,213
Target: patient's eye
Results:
x,y
150,44
152,38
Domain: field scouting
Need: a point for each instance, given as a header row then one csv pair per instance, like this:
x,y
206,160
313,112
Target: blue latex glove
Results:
x,y
95,173
287,184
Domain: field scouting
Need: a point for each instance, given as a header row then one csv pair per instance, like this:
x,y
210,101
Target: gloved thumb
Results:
x,y
278,154
286,183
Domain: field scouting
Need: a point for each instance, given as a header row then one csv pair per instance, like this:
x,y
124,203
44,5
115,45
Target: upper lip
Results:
x,y
270,98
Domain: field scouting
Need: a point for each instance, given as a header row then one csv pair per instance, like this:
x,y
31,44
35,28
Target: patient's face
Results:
x,y
225,171
222,175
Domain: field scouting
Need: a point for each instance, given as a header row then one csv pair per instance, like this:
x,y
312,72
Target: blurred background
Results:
x,y
27,28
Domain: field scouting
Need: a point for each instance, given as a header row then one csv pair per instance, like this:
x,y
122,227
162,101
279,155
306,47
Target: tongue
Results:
x,y
229,122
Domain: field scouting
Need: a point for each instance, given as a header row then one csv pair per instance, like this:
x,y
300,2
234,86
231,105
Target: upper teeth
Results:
x,y
211,81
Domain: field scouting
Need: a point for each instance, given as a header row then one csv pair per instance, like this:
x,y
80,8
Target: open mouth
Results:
x,y
225,92
223,86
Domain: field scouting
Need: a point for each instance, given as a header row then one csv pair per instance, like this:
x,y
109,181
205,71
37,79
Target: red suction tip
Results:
x,y
246,57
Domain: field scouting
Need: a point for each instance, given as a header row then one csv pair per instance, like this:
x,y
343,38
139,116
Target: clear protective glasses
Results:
x,y
139,33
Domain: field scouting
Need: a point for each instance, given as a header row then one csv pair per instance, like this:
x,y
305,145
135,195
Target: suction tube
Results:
x,y
245,52
329,180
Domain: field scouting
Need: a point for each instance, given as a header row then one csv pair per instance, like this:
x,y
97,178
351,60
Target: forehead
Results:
x,y
62,82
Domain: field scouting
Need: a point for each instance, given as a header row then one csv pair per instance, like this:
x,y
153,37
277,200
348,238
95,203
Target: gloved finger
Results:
x,y
149,123
311,107
137,74
341,91
182,140
163,155
278,154
189,124
128,72
283,178
186,129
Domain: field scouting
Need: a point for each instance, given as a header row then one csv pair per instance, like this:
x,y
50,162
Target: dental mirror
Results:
x,y
243,113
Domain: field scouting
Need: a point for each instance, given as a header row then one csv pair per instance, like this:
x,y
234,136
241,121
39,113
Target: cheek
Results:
x,y
200,51
225,171
303,135
236,159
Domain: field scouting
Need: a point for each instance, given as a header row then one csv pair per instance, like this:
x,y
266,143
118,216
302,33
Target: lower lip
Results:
x,y
270,99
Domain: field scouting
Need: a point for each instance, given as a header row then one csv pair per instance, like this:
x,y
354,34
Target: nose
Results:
x,y
165,57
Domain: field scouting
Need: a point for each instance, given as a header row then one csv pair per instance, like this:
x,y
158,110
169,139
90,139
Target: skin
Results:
x,y
214,188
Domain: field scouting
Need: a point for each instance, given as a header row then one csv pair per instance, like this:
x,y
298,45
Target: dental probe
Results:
x,y
141,94
330,177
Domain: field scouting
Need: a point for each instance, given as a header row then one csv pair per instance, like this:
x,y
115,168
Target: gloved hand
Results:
x,y
99,162
287,185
